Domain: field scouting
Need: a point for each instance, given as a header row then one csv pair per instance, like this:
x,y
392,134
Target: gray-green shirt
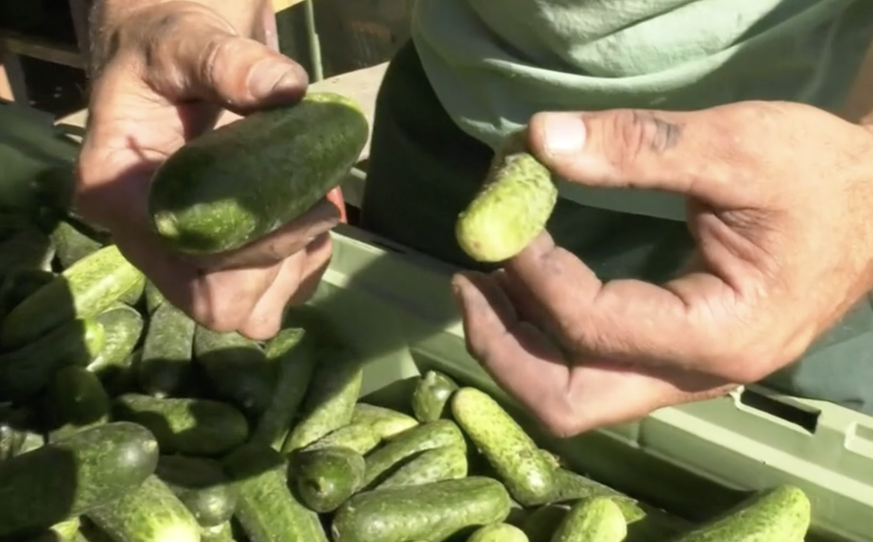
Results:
x,y
493,63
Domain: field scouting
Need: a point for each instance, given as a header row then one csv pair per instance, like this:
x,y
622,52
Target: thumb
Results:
x,y
206,60
691,153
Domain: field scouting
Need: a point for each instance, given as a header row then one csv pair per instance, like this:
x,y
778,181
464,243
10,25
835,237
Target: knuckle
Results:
x,y
627,136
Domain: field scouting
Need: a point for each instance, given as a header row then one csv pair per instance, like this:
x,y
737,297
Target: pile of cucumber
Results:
x,y
121,420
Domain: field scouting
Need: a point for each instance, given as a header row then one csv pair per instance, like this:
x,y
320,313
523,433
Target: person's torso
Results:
x,y
493,63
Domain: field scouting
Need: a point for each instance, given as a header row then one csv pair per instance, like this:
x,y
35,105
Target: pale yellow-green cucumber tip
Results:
x,y
166,224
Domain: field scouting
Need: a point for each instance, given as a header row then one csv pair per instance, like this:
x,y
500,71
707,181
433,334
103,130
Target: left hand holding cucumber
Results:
x,y
781,216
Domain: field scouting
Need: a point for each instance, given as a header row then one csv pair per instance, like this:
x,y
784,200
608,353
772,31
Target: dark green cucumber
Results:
x,y
75,399
384,422
267,510
434,465
431,512
326,477
295,353
149,513
166,366
330,400
779,513
291,155
383,461
498,532
645,522
431,396
71,245
17,286
199,427
82,291
512,207
570,486
596,518
123,328
356,436
202,487
153,297
28,249
29,369
541,524
237,368
508,448
74,475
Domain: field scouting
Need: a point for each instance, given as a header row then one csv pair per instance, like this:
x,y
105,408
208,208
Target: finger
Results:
x,y
294,284
265,319
568,401
198,56
318,255
626,320
594,387
700,153
514,354
289,239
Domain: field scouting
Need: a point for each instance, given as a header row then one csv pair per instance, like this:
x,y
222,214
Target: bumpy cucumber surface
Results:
x,y
123,327
29,369
199,427
74,475
384,460
267,510
202,487
75,399
291,157
384,422
166,366
435,465
237,368
498,532
515,457
326,477
431,396
83,290
330,400
597,518
779,513
512,207
295,353
431,512
149,513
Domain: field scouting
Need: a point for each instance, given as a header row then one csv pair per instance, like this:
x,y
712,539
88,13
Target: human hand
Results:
x,y
780,204
167,71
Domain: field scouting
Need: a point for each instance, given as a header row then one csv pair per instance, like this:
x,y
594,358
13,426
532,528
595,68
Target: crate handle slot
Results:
x,y
784,408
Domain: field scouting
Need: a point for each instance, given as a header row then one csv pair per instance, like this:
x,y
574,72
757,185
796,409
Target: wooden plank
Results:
x,y
41,49
360,85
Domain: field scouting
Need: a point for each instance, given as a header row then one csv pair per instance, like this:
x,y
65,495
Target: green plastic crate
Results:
x,y
395,307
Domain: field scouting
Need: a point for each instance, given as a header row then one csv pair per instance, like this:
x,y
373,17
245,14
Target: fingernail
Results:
x,y
271,76
563,133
